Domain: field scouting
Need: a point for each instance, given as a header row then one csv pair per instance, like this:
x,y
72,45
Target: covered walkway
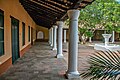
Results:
x,y
39,63
20,23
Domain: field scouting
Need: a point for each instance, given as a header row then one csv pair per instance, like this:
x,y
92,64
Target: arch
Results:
x,y
40,35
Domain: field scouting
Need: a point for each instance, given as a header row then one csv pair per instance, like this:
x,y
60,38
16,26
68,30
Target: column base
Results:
x,y
90,41
59,56
54,48
113,41
51,45
64,41
71,75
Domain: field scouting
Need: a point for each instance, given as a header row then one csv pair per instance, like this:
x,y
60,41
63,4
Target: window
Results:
x,y
28,33
1,33
23,34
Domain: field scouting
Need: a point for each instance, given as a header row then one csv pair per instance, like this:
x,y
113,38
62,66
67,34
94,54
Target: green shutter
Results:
x,y
15,39
23,34
1,33
28,33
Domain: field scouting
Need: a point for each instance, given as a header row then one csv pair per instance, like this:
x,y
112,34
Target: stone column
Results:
x,y
113,36
51,37
64,36
59,40
54,37
72,71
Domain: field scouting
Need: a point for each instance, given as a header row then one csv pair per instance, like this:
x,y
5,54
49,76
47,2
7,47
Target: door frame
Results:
x,y
17,37
31,36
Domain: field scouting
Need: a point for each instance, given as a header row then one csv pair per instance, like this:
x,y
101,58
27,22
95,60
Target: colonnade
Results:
x,y
55,36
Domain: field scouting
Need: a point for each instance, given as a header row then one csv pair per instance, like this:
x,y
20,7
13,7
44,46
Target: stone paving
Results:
x,y
39,63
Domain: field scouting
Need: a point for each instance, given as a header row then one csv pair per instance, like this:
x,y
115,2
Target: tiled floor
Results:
x,y
39,63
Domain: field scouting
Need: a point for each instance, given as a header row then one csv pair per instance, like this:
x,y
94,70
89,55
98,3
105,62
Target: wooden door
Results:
x,y
15,39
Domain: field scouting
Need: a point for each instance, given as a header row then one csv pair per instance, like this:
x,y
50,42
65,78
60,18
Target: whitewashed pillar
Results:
x,y
113,36
51,37
64,36
72,71
59,39
54,37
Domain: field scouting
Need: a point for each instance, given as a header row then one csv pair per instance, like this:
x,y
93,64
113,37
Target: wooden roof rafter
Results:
x,y
41,13
63,7
74,6
40,19
84,3
41,22
40,5
47,5
33,14
40,9
62,2
46,12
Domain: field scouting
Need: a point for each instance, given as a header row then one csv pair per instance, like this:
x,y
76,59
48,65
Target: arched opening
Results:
x,y
40,35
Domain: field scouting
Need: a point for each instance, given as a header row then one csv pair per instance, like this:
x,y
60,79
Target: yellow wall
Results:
x,y
44,30
15,9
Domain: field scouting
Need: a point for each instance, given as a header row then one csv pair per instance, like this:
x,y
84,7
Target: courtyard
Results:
x,y
54,39
39,63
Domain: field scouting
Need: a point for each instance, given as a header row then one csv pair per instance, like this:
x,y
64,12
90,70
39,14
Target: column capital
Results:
x,y
73,14
55,26
51,28
59,23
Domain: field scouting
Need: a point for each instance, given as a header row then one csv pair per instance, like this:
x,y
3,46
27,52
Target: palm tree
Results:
x,y
104,65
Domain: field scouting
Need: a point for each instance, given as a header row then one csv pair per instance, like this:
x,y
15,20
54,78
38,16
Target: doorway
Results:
x,y
40,35
15,39
31,36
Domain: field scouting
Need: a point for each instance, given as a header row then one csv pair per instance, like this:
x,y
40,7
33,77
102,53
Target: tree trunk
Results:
x,y
83,39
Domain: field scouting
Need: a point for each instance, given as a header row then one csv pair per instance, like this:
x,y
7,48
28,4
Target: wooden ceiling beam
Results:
x,y
47,5
56,5
86,2
76,4
39,12
40,17
47,12
46,16
44,20
62,2
41,22
40,6
41,9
